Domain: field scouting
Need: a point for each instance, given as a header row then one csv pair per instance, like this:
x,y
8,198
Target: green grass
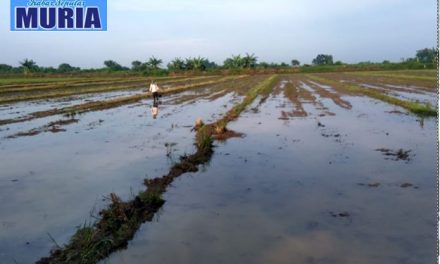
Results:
x,y
414,107
203,139
27,81
9,81
152,196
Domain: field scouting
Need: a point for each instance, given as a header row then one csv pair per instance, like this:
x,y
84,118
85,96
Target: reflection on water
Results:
x,y
293,191
155,109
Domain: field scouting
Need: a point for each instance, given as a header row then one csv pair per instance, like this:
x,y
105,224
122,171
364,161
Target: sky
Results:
x,y
274,30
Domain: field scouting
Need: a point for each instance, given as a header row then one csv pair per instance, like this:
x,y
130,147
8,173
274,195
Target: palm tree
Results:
x,y
237,62
28,66
199,63
176,65
154,63
249,61
234,62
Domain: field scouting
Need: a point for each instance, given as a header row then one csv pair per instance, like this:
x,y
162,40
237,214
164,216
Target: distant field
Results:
x,y
430,75
8,81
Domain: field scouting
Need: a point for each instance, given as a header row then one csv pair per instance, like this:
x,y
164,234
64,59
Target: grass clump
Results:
x,y
204,138
152,196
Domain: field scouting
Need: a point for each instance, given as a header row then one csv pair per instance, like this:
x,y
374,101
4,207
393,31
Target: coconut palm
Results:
x,y
176,65
28,66
199,63
234,62
154,63
237,62
249,61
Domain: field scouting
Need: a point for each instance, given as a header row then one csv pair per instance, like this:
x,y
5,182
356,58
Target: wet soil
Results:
x,y
396,155
54,127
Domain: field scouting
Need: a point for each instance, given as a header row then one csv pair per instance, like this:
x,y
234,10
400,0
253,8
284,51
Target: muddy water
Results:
x,y
305,190
52,183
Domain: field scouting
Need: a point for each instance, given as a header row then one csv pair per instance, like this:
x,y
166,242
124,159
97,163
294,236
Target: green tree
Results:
x,y
197,64
234,62
6,68
263,65
427,55
113,65
28,66
323,59
65,67
295,63
137,65
176,65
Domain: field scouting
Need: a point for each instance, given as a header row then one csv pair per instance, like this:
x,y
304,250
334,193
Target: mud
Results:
x,y
371,185
294,93
342,214
53,127
418,108
334,96
399,154
411,83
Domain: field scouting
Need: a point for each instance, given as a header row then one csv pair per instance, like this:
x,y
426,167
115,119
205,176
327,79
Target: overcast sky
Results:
x,y
275,30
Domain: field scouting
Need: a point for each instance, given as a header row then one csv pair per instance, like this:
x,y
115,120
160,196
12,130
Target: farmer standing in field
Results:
x,y
154,89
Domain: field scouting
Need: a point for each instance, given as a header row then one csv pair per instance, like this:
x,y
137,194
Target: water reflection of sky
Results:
x,y
268,197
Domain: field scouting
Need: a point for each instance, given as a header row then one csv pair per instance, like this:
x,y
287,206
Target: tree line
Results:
x,y
427,57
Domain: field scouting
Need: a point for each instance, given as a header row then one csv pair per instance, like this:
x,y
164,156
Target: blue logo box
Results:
x,y
58,15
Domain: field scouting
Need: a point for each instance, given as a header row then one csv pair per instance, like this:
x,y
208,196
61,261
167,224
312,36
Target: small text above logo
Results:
x,y
58,15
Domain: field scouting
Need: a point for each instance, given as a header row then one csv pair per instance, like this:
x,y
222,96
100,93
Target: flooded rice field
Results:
x,y
23,108
320,176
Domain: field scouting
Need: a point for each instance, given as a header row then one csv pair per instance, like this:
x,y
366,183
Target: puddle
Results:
x,y
287,194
